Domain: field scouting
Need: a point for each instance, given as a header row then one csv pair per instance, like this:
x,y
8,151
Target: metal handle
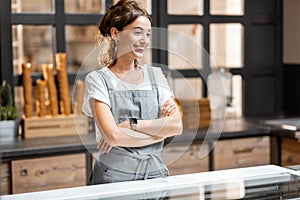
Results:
x,y
23,172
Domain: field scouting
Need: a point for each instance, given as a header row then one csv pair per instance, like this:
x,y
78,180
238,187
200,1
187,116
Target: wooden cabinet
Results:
x,y
184,159
48,173
290,152
71,170
241,152
5,178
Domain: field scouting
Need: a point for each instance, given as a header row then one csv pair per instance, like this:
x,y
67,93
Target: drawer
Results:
x,y
184,159
241,152
48,173
5,178
290,152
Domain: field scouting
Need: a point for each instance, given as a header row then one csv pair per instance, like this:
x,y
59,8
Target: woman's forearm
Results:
x,y
168,124
125,137
118,136
131,138
162,127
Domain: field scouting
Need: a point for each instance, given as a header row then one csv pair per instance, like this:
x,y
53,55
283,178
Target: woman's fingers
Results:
x,y
100,144
168,109
103,146
108,149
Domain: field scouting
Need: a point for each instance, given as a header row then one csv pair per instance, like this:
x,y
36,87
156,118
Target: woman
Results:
x,y
132,105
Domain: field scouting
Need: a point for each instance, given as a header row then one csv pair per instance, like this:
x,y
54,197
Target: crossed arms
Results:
x,y
147,132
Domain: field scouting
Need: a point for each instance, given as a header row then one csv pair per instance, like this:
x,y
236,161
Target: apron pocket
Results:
x,y
111,175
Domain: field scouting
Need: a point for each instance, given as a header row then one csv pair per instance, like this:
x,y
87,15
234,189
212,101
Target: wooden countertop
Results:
x,y
37,147
287,127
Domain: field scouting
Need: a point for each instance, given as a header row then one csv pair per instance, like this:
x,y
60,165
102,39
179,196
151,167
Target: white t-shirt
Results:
x,y
95,87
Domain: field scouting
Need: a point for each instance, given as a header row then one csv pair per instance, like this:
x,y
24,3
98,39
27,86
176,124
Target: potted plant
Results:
x,y
9,123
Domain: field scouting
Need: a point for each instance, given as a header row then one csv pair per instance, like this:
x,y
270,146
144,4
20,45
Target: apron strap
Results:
x,y
107,83
143,161
152,79
153,84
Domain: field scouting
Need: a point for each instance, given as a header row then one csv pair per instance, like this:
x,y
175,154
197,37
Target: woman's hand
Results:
x,y
103,146
168,109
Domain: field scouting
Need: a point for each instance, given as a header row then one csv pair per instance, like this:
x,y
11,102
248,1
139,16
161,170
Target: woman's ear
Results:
x,y
114,33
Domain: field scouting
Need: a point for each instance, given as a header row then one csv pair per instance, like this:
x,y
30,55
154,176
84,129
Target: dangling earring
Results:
x,y
115,46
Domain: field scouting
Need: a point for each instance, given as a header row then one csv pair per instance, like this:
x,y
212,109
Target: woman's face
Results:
x,y
134,38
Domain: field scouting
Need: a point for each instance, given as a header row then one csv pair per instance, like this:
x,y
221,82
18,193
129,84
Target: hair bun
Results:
x,y
119,15
119,3
122,3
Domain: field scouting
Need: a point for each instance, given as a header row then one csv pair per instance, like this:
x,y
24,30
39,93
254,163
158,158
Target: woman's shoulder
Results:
x,y
97,73
96,76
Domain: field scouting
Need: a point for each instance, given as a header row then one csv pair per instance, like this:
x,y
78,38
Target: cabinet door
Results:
x,y
244,152
48,173
290,152
5,178
184,159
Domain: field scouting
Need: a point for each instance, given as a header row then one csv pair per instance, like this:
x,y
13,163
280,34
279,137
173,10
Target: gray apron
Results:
x,y
128,164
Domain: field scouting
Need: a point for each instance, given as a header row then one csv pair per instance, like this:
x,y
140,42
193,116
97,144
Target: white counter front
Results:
x,y
268,182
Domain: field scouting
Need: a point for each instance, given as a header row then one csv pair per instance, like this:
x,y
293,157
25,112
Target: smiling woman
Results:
x,y
133,39
132,104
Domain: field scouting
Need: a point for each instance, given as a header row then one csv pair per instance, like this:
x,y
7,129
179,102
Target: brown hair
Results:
x,y
118,16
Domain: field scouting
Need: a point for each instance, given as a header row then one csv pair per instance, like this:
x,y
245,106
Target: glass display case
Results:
x,y
261,182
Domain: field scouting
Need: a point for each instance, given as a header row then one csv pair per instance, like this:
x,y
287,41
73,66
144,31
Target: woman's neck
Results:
x,y
126,71
123,65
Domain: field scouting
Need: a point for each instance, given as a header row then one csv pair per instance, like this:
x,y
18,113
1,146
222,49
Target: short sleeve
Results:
x,y
164,90
95,88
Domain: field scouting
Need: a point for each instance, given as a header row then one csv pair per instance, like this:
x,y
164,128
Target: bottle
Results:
x,y
219,83
227,82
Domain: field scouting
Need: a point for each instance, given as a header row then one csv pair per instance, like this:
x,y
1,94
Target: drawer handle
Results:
x,y
23,172
240,151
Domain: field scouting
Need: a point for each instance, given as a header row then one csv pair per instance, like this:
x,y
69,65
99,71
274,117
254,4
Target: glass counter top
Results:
x,y
261,182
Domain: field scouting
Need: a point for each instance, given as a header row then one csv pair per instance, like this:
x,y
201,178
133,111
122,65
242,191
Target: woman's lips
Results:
x,y
140,50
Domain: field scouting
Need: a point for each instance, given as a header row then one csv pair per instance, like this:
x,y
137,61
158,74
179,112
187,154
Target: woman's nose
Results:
x,y
142,41
145,39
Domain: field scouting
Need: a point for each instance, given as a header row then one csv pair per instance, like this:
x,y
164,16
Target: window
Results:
x,y
226,7
226,44
215,41
85,6
245,41
35,6
179,7
32,44
80,41
185,46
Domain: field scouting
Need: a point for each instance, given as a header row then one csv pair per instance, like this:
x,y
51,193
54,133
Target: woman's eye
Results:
x,y
148,35
138,33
